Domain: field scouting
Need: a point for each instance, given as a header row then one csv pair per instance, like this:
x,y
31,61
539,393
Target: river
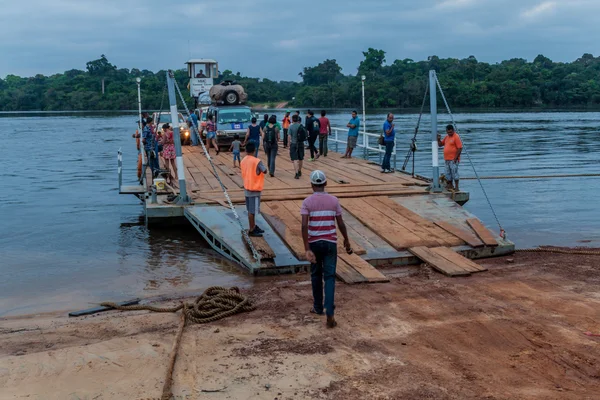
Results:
x,y
68,239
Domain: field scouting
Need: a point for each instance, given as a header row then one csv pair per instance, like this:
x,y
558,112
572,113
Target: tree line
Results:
x,y
401,84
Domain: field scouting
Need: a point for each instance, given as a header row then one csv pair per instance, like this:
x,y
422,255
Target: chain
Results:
x,y
502,231
413,145
229,202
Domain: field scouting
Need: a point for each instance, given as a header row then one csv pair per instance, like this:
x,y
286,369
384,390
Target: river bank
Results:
x,y
516,331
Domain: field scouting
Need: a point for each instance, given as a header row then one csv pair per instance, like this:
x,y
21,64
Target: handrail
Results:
x,y
365,143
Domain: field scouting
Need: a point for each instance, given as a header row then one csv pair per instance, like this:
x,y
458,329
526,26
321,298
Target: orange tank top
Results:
x,y
252,181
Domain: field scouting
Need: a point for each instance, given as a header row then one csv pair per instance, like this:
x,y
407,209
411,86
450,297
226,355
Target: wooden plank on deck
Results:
x,y
484,234
347,274
458,259
362,267
262,247
438,262
471,239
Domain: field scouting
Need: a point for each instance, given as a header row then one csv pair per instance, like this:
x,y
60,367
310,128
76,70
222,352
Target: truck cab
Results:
x,y
202,73
230,121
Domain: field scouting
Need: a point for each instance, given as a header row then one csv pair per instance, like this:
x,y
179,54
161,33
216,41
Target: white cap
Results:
x,y
317,177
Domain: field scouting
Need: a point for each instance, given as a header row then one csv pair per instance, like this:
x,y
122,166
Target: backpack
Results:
x,y
301,134
316,128
270,134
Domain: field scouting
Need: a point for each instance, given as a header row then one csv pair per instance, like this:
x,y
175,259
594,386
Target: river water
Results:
x,y
68,239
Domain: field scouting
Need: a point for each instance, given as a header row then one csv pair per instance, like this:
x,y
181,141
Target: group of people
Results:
x,y
156,145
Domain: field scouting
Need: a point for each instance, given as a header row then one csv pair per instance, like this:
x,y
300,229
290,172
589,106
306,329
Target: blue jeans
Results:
x,y
257,144
152,162
323,269
389,147
195,137
271,152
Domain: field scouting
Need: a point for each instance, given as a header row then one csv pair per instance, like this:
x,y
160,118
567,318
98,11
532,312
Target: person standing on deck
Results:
x,y
297,134
253,134
324,132
389,137
353,126
286,125
149,145
312,127
319,212
169,154
270,139
235,148
211,134
263,123
253,175
452,148
192,122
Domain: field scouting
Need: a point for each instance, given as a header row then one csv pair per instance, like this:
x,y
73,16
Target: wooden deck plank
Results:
x,y
396,235
447,239
361,266
470,238
262,247
484,234
458,259
437,262
347,274
286,227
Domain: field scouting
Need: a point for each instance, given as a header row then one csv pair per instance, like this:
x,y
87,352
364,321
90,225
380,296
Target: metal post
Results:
x,y
183,197
364,121
336,141
435,186
138,81
120,168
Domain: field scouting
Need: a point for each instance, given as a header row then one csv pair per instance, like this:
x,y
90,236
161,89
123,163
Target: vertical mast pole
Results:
x,y
183,197
140,127
435,184
364,121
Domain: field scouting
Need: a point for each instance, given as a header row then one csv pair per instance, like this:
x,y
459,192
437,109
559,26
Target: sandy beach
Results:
x,y
515,331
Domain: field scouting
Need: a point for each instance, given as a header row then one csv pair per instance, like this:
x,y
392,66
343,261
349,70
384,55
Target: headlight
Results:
x,y
221,133
186,133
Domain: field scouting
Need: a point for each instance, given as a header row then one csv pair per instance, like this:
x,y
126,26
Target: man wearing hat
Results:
x,y
320,212
286,125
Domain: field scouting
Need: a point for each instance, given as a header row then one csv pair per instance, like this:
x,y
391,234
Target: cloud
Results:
x,y
275,39
539,10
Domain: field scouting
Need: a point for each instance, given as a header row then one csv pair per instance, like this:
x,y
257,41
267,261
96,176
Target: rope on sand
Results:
x,y
557,250
214,304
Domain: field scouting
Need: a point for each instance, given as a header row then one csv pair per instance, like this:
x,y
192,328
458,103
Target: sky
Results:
x,y
275,39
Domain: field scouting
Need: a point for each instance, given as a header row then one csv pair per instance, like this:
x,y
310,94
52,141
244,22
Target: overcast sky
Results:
x,y
276,38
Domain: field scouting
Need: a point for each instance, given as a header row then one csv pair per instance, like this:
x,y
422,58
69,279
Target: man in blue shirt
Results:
x,y
192,122
389,137
353,126
150,145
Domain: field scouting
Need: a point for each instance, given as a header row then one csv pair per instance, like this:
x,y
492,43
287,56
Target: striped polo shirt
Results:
x,y
321,208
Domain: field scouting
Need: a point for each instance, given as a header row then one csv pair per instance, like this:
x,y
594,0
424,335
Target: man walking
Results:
x,y
296,137
320,211
312,127
253,175
287,121
452,148
389,137
324,132
353,126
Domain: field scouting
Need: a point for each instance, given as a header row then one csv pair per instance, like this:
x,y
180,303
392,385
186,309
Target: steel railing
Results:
x,y
368,141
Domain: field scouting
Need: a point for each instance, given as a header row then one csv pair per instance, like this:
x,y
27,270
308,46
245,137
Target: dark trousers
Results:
x,y
152,161
271,152
312,138
323,270
389,147
323,144
285,137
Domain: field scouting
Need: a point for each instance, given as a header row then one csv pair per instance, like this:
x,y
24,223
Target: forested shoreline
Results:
x,y
467,82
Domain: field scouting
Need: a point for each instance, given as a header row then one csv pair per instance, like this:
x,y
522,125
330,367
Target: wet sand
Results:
x,y
516,331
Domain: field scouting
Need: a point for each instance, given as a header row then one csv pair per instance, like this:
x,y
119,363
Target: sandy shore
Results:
x,y
516,331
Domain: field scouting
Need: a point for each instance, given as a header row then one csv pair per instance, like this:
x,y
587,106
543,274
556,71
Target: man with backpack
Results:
x,y
270,139
296,137
313,129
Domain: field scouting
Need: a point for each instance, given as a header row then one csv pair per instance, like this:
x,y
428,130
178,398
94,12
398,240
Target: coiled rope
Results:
x,y
215,303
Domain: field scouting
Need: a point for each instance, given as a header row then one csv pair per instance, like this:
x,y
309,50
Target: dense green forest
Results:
x,y
399,84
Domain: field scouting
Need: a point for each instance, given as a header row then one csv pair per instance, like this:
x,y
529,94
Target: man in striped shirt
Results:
x,y
320,211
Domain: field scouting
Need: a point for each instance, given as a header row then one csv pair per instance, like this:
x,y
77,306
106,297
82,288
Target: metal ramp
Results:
x,y
218,227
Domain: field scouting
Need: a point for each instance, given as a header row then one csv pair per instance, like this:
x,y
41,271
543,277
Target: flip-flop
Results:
x,y
313,311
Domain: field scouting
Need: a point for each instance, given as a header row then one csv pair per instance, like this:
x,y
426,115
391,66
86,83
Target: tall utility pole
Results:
x,y
183,197
364,120
435,184
140,131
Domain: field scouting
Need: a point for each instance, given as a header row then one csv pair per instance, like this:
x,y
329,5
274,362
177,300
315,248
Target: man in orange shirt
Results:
x,y
253,175
287,121
452,148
